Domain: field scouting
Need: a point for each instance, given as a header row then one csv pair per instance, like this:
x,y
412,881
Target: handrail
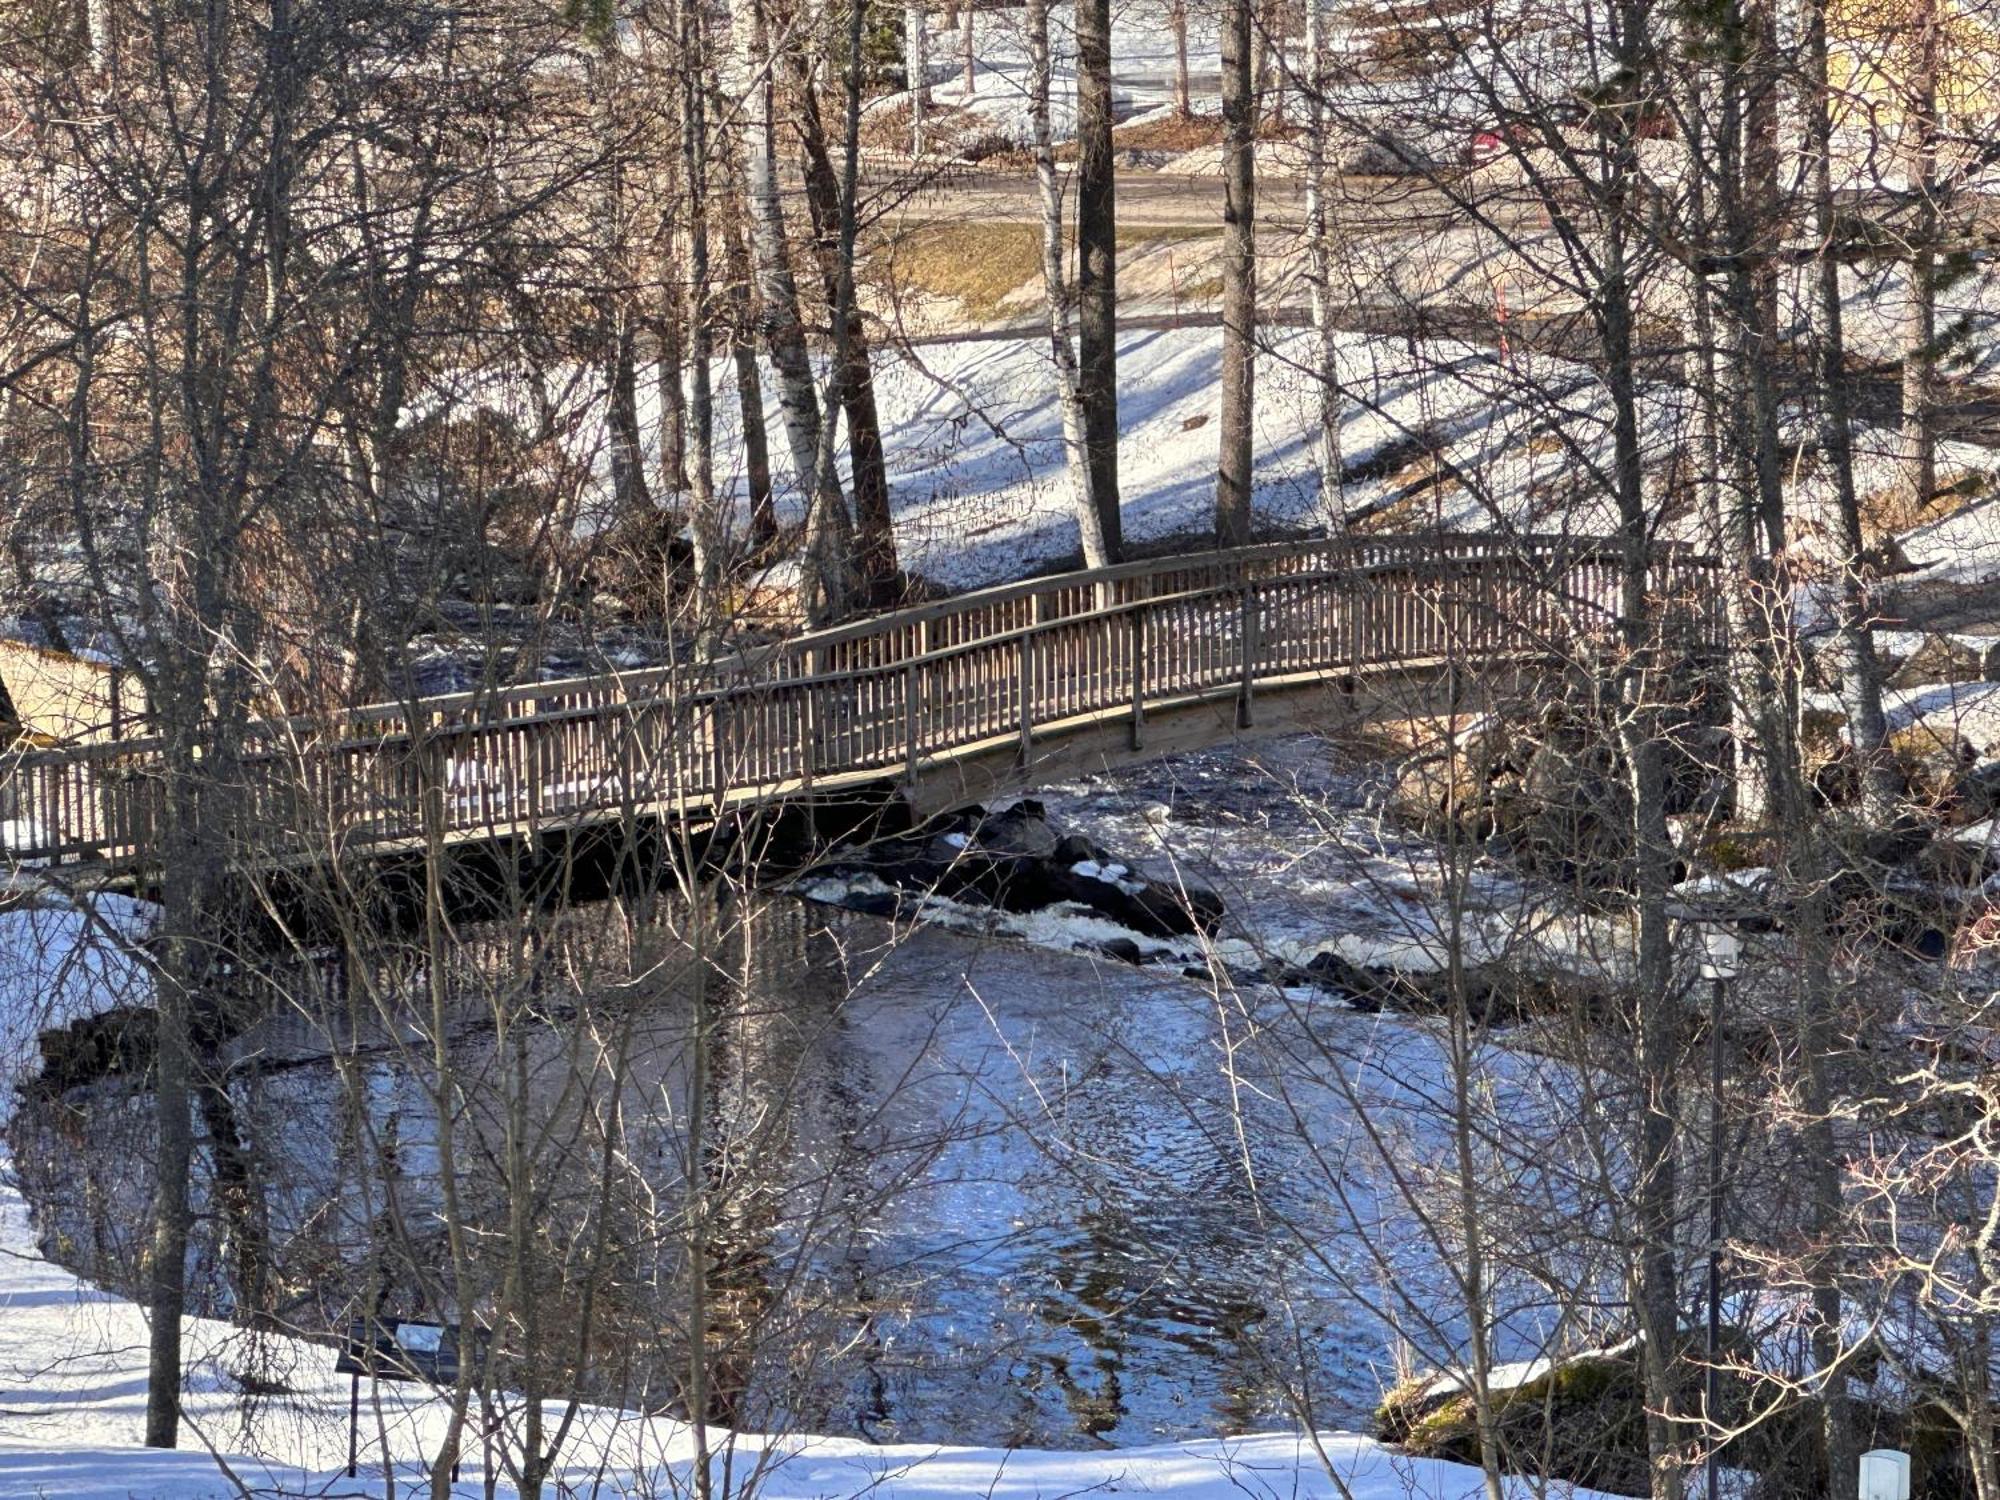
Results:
x,y
879,696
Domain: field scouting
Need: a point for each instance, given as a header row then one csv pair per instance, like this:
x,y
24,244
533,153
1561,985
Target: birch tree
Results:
x,y
826,580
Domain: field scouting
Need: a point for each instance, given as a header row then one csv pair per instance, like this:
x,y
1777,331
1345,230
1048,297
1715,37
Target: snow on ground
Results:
x,y
1436,105
1963,547
980,493
981,496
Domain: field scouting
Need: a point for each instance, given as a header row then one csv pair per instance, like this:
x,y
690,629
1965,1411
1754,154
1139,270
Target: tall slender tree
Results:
x,y
916,68
1097,265
705,523
1920,156
1055,287
827,581
749,385
1319,250
835,239
1860,670
1239,273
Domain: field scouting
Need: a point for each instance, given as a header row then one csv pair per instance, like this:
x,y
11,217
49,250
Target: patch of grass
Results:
x,y
1169,134
980,264
977,264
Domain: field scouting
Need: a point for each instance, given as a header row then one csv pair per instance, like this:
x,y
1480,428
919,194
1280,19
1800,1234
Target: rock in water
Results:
x,y
1016,860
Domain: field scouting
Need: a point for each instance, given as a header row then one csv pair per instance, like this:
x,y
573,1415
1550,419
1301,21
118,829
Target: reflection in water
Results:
x,y
939,1190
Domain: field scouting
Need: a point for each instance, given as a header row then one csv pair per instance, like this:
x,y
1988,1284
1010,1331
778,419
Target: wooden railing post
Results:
x,y
910,746
718,747
532,752
808,726
1246,632
1026,692
1139,676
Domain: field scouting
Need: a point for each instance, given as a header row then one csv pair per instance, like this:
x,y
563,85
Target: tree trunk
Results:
x,y
749,388
830,581
1474,1279
1860,671
673,399
1333,506
1097,266
1919,437
630,493
102,24
1271,61
167,1269
1657,1024
1239,275
834,239
1076,453
1754,523
704,520
1177,18
916,65
825,581
1976,1377
965,45
1765,223
673,396
238,1197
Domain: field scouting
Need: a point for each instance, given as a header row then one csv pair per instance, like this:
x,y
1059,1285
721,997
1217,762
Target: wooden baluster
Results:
x,y
1246,634
1024,695
808,726
1139,677
718,741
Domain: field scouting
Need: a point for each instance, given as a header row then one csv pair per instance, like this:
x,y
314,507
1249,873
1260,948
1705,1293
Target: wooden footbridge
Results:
x,y
954,699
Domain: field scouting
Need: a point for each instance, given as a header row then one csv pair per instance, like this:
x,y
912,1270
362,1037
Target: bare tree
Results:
x,y
1233,483
826,585
1055,288
1320,252
916,69
1097,266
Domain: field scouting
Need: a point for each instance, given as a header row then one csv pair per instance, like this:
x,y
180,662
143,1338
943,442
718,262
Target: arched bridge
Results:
x,y
953,699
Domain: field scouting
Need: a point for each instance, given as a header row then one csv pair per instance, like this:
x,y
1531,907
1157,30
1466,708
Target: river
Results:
x,y
954,1187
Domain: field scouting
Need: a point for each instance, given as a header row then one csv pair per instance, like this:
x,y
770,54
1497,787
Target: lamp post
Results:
x,y
1721,957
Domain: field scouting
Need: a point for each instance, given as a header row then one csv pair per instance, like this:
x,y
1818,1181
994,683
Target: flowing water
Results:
x,y
951,1187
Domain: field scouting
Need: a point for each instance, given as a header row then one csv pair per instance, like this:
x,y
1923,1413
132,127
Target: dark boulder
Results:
x,y
1017,860
120,1041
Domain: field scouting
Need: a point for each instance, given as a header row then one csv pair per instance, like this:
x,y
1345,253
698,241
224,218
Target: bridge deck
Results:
x,y
901,695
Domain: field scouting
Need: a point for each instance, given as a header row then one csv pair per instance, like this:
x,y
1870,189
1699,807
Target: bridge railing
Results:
x,y
877,697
